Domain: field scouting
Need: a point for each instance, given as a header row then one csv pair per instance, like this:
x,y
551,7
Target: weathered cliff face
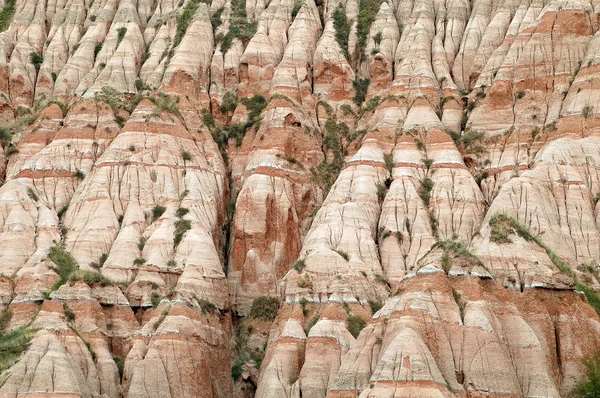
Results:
x,y
316,199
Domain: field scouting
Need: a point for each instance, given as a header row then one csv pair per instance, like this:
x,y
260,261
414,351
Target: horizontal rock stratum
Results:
x,y
299,198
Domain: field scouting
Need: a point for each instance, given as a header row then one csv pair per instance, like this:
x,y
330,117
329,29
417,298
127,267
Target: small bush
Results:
x,y
342,29
6,14
375,306
36,60
69,314
120,366
355,324
303,303
425,188
78,174
521,94
299,265
121,35
155,299
181,228
589,387
182,211
361,86
5,318
311,322
343,254
587,111
265,308
157,212
139,261
97,48
305,282
206,306
229,103
65,264
382,191
186,156
12,345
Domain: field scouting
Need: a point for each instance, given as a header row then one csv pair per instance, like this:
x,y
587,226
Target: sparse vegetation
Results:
x,y
303,303
13,344
587,111
6,14
246,354
355,324
239,27
255,106
589,386
424,190
265,308
382,190
375,306
97,48
181,228
342,29
206,306
167,103
326,173
343,254
186,156
299,265
121,35
460,303
157,212
65,265
36,60
361,86
367,12
229,103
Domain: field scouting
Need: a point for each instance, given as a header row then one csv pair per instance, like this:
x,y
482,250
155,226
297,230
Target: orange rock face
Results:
x,y
316,199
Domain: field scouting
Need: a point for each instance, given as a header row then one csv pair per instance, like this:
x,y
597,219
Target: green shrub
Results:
x,y
239,27
12,345
295,9
120,366
181,228
375,306
97,48
229,102
342,29
121,35
182,211
5,318
299,265
366,16
355,324
589,387
521,94
186,156
215,19
36,60
155,299
381,191
65,264
343,254
139,261
311,322
6,14
167,103
78,174
361,86
587,111
425,188
69,314
157,212
303,303
265,308
371,104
